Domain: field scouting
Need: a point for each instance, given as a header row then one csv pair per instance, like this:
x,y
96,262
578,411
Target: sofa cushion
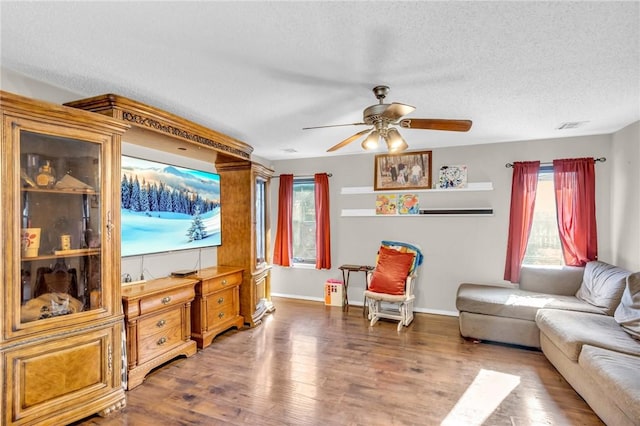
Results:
x,y
570,330
628,312
602,285
618,375
512,302
565,280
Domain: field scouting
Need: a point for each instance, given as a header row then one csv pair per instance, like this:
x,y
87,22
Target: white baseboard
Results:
x,y
360,303
296,296
437,312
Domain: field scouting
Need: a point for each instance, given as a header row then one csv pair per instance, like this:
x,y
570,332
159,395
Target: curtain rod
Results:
x,y
595,160
301,176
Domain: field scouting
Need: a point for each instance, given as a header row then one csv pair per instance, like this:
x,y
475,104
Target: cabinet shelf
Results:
x,y
61,191
65,253
472,186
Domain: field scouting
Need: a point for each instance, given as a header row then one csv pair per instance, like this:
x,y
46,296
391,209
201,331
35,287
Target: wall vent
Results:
x,y
571,125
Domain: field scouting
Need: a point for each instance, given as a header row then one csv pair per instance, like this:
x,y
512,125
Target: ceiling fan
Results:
x,y
384,116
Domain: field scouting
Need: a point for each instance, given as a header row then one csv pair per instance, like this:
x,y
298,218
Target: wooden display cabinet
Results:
x,y
246,233
217,304
61,329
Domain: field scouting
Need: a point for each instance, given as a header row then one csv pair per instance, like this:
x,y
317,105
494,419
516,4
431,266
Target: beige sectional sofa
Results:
x,y
585,320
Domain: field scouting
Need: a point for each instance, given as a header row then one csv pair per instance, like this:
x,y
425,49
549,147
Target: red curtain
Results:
x,y
524,184
283,250
575,188
323,225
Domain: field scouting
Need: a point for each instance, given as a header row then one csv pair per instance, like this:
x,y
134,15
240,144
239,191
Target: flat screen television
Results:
x,y
167,208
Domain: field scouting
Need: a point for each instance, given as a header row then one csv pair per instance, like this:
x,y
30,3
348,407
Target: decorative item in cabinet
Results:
x,y
217,304
61,315
158,318
245,195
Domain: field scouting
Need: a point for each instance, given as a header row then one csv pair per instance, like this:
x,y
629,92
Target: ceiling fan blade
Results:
x,y
348,140
396,111
335,125
436,124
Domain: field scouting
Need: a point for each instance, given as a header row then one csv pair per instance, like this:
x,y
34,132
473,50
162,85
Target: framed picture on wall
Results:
x,y
406,170
452,177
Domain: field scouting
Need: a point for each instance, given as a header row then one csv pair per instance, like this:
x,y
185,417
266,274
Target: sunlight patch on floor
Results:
x,y
482,397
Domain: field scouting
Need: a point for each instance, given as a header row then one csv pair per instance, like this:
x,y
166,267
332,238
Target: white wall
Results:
x,y
21,85
456,249
625,197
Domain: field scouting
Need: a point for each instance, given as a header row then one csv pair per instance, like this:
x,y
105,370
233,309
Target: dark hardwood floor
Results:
x,y
310,364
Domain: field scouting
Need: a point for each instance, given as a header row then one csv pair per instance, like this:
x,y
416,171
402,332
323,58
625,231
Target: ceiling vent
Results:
x,y
290,150
571,125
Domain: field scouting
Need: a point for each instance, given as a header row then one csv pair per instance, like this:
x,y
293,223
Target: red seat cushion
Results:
x,y
391,271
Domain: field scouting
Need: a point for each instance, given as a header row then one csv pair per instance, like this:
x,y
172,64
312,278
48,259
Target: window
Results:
x,y
304,221
544,246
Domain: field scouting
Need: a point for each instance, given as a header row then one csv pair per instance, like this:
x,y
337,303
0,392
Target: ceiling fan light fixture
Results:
x,y
395,142
371,142
399,148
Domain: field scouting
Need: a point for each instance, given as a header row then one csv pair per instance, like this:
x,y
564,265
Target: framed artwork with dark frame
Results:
x,y
405,170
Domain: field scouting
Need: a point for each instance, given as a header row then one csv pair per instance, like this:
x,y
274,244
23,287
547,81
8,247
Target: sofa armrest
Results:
x,y
563,281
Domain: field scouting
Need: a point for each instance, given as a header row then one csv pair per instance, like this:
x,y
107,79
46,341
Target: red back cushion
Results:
x,y
391,271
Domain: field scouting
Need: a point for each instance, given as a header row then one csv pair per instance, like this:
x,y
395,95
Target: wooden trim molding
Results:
x,y
146,117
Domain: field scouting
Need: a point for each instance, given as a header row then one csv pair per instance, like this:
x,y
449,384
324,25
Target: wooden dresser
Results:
x,y
217,304
158,321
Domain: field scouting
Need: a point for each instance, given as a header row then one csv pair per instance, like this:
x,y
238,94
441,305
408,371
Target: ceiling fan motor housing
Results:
x,y
373,114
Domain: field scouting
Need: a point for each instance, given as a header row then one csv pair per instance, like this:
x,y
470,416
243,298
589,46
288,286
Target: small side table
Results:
x,y
346,272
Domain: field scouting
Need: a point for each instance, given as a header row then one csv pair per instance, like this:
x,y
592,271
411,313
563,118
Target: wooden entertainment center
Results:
x,y
62,331
241,181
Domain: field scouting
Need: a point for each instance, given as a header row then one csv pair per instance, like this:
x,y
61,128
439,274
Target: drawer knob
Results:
x,y
221,300
224,282
220,315
161,323
161,341
166,300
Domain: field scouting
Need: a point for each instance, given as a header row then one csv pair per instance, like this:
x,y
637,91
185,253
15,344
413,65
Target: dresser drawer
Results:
x,y
160,321
220,283
221,307
156,344
169,298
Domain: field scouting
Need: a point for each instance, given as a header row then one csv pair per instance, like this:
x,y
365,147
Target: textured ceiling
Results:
x,y
260,71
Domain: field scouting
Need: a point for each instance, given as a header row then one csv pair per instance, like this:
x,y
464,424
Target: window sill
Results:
x,y
538,266
303,266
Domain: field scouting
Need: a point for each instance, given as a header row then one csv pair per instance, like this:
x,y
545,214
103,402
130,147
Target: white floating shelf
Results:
x,y
471,186
440,212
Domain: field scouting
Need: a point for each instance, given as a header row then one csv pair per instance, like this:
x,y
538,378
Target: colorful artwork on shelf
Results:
x,y
386,204
408,204
453,177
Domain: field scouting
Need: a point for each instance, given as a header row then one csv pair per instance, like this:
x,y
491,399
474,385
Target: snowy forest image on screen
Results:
x,y
166,208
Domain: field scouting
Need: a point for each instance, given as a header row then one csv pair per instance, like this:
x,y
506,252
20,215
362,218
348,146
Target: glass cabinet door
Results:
x,y
261,221
60,207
